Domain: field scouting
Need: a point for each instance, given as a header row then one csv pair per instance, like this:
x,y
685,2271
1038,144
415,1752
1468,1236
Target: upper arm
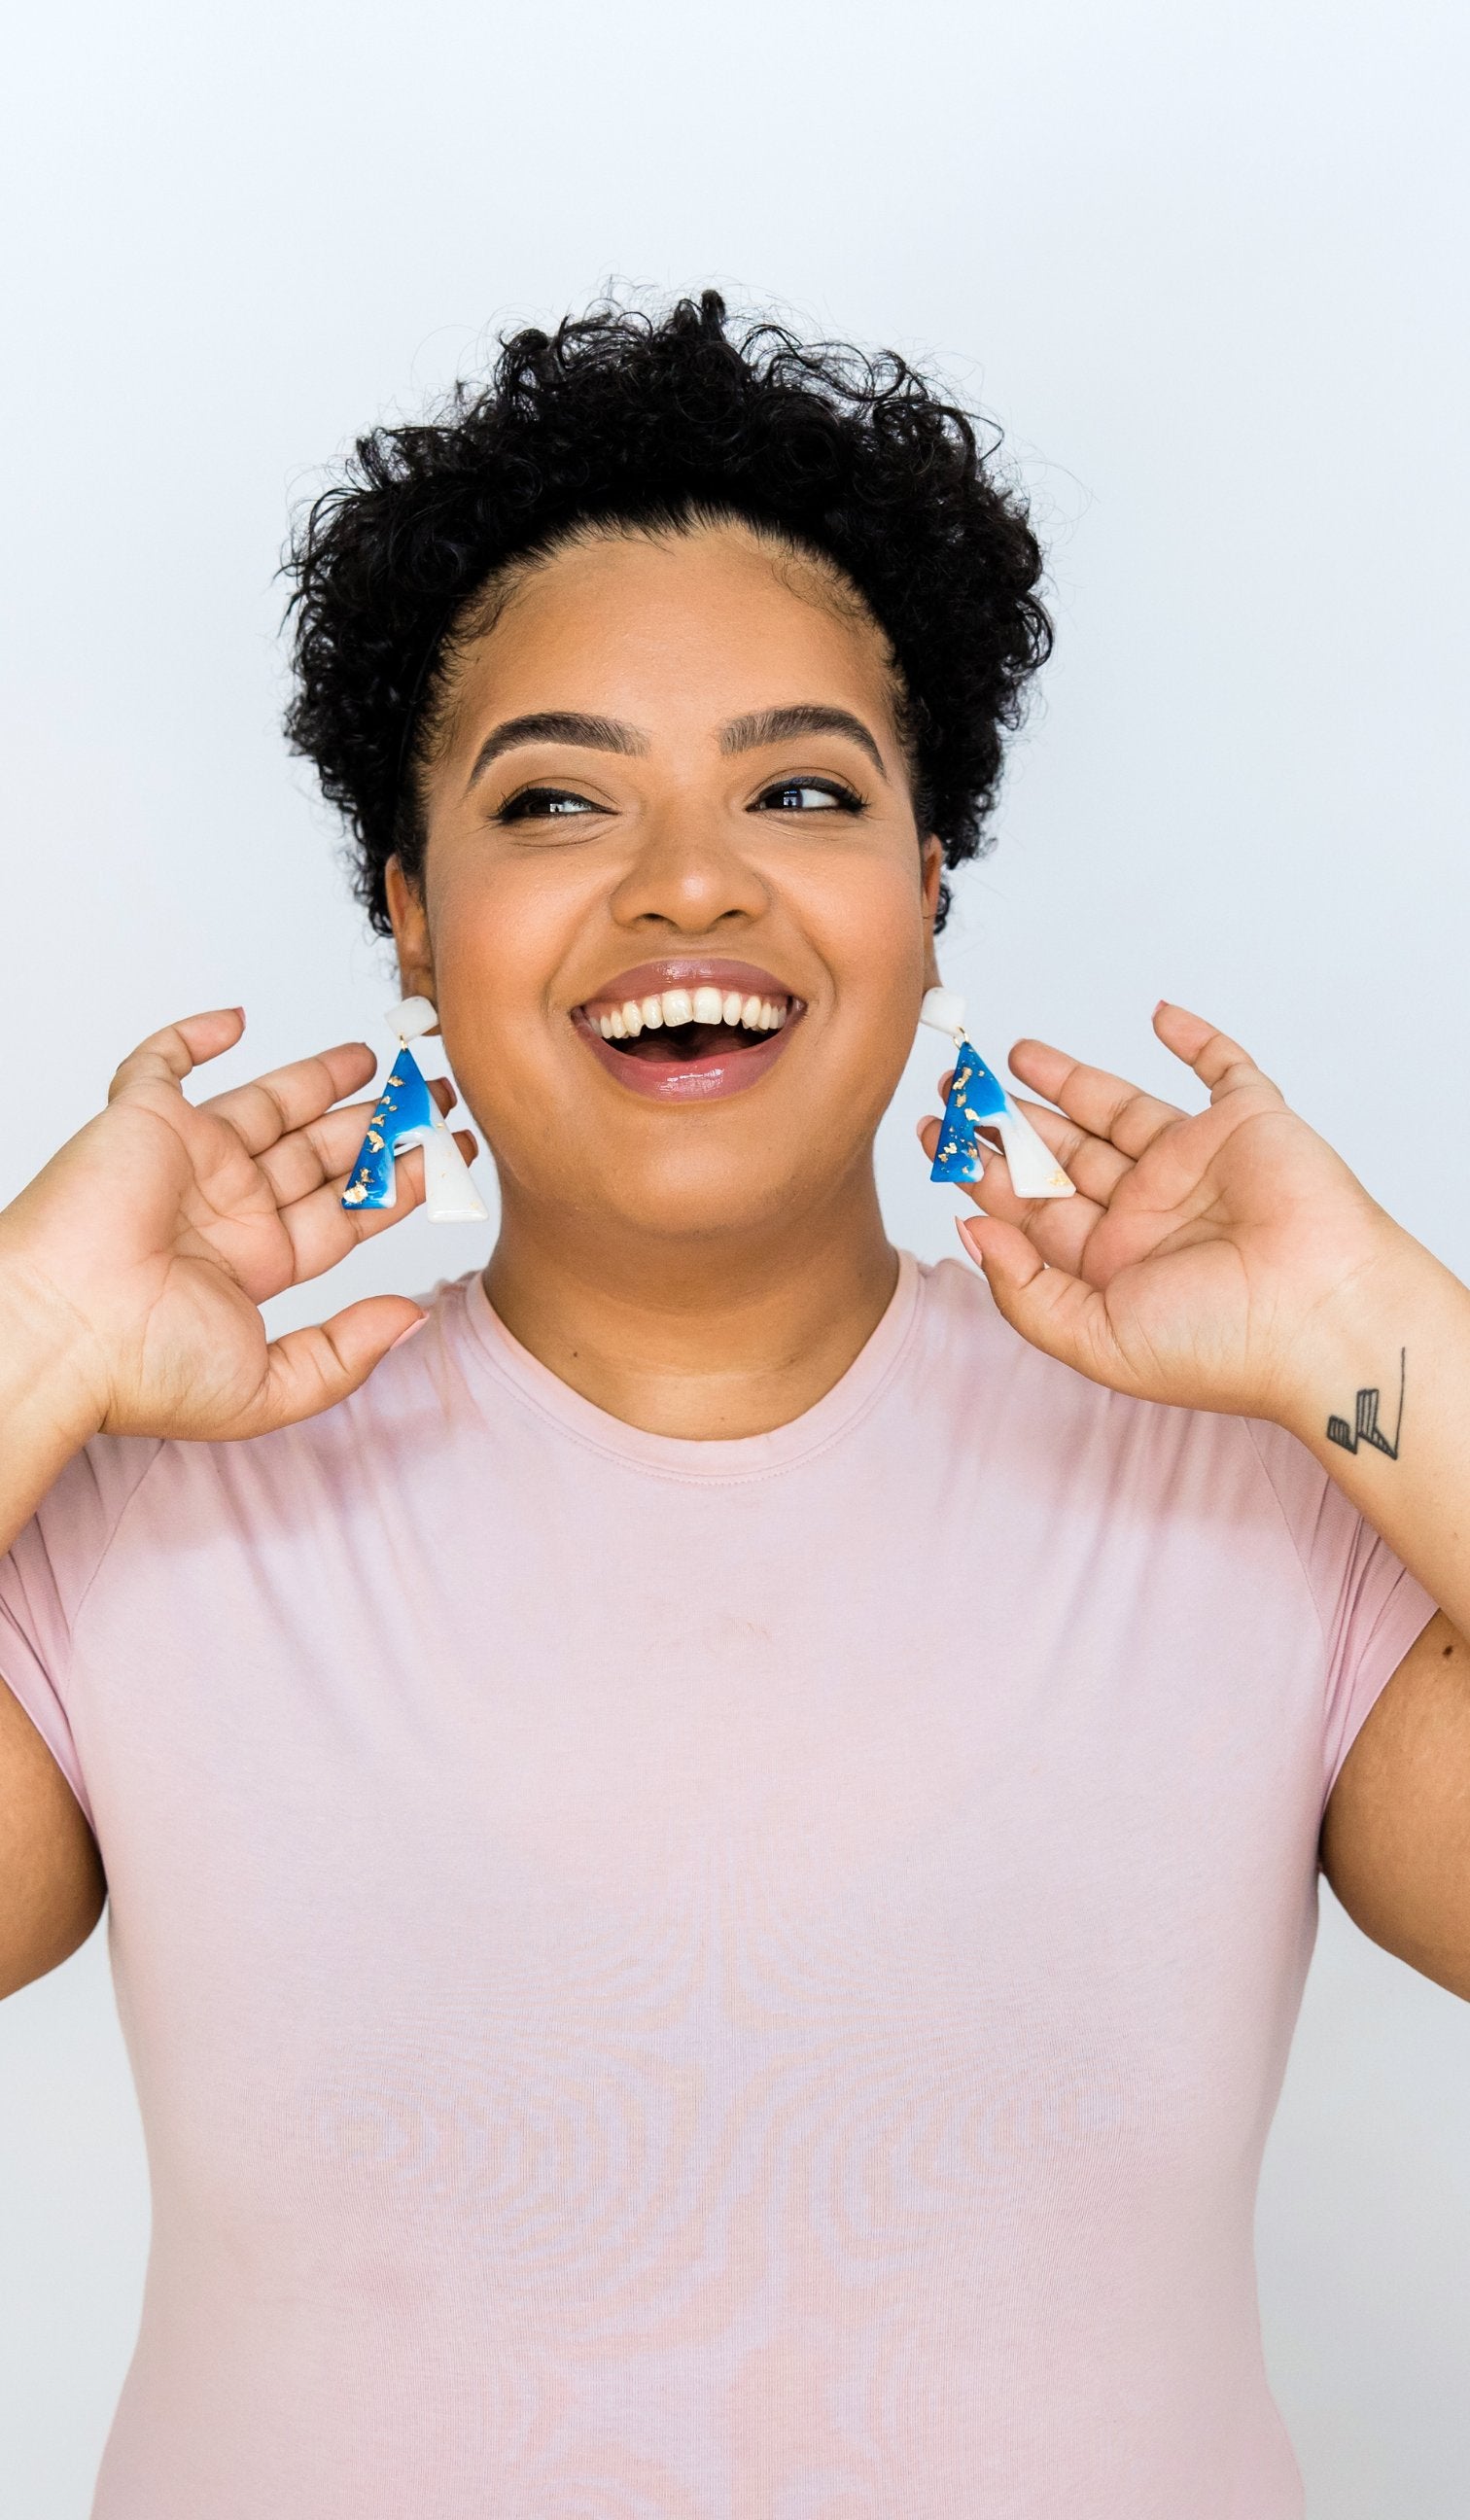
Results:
x,y
51,1886
1395,1838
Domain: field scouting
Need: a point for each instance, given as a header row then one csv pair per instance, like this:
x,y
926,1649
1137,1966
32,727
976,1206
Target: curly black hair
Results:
x,y
623,417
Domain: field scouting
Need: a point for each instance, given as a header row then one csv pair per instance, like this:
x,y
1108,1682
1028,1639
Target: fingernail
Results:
x,y
407,1333
1159,1009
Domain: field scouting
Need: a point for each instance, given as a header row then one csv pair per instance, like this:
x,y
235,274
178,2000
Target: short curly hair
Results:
x,y
624,419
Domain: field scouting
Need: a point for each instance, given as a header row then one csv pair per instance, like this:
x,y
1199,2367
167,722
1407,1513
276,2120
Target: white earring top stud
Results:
x,y
943,1010
412,1016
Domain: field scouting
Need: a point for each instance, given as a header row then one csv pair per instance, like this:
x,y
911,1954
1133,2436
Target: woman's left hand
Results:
x,y
1198,1255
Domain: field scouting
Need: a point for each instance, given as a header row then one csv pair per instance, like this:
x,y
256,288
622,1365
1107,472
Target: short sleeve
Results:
x,y
1369,1606
45,1577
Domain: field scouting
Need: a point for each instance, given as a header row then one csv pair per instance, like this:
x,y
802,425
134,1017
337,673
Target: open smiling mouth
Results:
x,y
687,1032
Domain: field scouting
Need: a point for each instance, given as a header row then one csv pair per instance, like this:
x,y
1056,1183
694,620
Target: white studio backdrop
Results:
x,y
1203,263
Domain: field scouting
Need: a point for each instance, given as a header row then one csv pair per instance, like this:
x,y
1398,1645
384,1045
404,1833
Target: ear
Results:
x,y
931,860
406,909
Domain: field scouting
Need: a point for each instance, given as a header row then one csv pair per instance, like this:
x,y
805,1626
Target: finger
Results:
x,y
1216,1061
167,1057
322,1231
1093,1165
1056,1227
326,1148
270,1106
1108,1107
1050,1306
309,1369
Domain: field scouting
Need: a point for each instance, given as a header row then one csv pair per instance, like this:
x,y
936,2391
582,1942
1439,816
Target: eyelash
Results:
x,y
528,801
846,799
520,807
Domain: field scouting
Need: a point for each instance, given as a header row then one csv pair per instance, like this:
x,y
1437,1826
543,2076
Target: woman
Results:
x,y
712,1853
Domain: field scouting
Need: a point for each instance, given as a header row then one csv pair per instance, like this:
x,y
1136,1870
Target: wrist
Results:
x,y
1393,1314
48,1388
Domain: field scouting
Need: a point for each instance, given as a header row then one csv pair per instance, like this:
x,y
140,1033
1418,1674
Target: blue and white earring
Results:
x,y
978,1100
407,1116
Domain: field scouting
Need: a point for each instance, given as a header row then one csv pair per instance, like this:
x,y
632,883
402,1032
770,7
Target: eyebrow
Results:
x,y
610,735
558,725
778,725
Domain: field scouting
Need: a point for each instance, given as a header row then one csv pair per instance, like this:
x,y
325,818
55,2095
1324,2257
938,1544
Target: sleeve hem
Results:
x,y
1403,1619
1403,1615
38,1703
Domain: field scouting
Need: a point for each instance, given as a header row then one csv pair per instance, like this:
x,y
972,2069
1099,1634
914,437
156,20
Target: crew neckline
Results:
x,y
687,1457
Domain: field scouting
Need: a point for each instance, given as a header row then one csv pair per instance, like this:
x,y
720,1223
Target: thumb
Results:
x,y
308,1370
1054,1311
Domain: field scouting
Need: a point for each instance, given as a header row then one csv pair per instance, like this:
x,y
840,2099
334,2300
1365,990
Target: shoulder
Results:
x,y
59,1550
1057,1427
165,1489
961,1336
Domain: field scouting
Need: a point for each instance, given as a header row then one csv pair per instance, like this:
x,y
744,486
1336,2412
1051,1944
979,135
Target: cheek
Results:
x,y
500,935
868,930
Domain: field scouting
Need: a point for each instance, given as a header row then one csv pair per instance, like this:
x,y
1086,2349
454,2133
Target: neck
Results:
x,y
719,1337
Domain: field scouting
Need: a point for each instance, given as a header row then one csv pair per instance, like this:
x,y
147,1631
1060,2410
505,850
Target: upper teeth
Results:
x,y
673,1007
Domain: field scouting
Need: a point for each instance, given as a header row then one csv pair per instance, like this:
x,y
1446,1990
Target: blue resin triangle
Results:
x,y
404,1109
975,1097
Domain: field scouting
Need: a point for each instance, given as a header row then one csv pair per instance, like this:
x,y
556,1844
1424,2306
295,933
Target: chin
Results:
x,y
701,1203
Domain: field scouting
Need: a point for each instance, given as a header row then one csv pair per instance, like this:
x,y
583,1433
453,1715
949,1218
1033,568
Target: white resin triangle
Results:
x,y
448,1192
1035,1172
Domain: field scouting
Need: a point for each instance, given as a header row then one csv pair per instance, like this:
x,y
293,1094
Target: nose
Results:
x,y
690,873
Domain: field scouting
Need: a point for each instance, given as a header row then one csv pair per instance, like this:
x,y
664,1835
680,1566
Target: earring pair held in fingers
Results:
x,y
407,1116
978,1100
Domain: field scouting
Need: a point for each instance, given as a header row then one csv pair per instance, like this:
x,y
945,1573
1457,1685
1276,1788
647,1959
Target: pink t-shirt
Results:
x,y
707,1981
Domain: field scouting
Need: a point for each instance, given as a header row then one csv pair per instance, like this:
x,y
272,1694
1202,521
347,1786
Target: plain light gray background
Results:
x,y
1203,262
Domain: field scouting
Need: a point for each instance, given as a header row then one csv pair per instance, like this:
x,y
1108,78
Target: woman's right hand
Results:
x,y
135,1264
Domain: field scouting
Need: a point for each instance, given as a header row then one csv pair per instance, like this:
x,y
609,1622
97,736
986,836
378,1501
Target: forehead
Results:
x,y
679,631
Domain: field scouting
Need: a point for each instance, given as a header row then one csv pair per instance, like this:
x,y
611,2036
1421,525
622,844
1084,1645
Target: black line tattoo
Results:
x,y
1367,1430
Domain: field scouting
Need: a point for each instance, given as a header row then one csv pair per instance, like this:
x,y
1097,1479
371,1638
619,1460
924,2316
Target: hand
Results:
x,y
1200,1245
139,1256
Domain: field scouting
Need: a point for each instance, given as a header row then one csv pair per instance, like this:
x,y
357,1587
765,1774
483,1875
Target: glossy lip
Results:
x,y
720,1072
689,972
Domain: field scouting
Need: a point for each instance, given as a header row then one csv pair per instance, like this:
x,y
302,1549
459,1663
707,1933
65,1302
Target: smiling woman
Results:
x,y
712,1862
660,642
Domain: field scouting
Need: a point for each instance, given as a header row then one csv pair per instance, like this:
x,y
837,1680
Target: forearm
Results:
x,y
46,1414
1401,1324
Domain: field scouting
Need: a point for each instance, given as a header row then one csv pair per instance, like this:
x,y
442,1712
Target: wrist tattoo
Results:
x,y
1367,1430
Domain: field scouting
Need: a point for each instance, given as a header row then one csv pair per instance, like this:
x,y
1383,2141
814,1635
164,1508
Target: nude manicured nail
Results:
x,y
407,1333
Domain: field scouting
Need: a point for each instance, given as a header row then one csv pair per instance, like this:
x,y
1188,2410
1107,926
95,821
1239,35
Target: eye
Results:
x,y
545,803
807,796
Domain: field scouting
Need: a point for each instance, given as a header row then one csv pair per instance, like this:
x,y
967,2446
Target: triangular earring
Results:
x,y
407,1116
977,1099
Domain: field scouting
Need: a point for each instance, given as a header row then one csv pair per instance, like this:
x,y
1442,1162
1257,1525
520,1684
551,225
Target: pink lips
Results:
x,y
696,1079
687,971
